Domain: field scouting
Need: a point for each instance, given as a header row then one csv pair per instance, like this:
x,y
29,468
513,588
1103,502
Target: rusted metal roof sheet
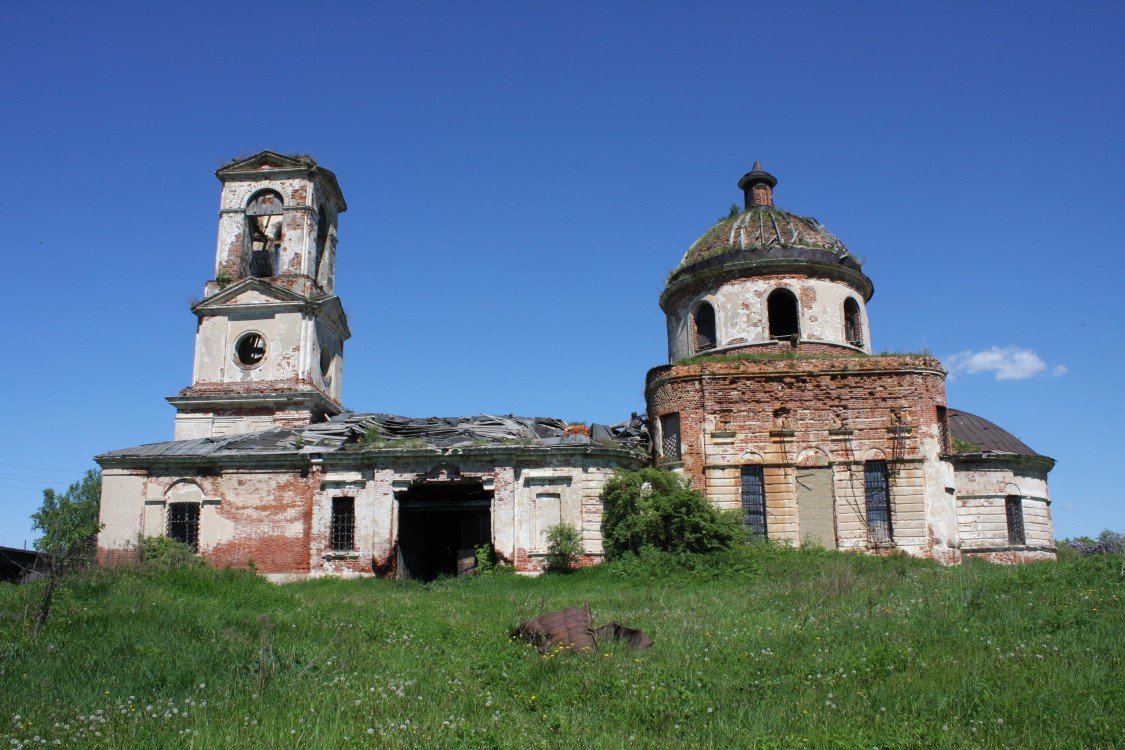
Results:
x,y
985,435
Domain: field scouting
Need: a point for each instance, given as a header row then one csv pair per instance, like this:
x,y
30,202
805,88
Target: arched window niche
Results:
x,y
184,501
782,312
265,217
853,323
705,335
321,242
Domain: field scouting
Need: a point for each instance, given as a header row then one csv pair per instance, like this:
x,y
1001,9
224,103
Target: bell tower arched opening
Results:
x,y
265,219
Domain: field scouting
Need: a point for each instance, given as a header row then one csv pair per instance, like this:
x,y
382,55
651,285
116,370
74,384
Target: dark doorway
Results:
x,y
439,527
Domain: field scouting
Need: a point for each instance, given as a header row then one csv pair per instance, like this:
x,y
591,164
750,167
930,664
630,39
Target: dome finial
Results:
x,y
757,185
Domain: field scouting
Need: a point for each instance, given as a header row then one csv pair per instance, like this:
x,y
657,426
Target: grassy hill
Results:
x,y
760,648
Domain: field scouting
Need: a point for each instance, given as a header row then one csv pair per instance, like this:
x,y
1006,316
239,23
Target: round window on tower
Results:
x,y
250,349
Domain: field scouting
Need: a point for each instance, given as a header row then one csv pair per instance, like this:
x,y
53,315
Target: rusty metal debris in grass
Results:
x,y
571,630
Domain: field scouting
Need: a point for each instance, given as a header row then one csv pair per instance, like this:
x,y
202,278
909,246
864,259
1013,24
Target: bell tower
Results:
x,y
269,346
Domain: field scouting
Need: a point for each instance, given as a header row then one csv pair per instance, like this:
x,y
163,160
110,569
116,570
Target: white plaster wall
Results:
x,y
122,509
981,492
285,358
741,315
941,512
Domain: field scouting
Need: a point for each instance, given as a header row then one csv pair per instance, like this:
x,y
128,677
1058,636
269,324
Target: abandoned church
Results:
x,y
772,403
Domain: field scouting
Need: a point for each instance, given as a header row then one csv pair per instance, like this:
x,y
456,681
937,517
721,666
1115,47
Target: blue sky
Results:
x,y
521,177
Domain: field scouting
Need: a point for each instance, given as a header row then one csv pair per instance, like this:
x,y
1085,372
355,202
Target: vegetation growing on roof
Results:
x,y
961,445
373,437
767,357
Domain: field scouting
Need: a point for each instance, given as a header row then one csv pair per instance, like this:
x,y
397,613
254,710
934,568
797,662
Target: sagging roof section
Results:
x,y
352,432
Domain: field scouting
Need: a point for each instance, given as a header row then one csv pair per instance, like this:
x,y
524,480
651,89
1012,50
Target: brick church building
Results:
x,y
772,403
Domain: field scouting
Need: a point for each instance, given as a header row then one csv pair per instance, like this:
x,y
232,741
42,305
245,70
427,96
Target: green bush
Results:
x,y
656,508
163,553
564,544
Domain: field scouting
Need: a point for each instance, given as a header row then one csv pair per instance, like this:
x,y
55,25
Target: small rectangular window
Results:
x,y
183,524
670,436
1013,509
754,499
343,523
878,496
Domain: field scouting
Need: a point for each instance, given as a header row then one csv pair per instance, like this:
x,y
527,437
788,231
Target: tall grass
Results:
x,y
757,648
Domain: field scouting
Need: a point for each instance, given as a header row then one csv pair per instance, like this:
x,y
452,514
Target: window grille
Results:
x,y
343,523
670,436
1013,509
754,499
705,328
878,496
183,524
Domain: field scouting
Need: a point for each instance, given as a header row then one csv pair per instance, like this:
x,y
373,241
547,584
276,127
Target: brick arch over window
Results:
x,y
705,327
813,457
783,314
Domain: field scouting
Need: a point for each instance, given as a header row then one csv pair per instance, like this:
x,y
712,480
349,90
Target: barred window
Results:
x,y
1013,509
670,436
878,496
183,524
754,499
343,523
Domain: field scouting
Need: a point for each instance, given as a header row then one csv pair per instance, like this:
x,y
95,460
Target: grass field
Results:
x,y
759,648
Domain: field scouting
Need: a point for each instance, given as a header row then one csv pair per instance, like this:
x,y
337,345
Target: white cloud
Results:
x,y
1008,362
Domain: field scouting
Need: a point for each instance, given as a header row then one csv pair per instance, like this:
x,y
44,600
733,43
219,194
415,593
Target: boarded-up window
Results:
x,y
548,513
1013,509
343,524
878,496
183,524
754,499
670,437
784,319
704,327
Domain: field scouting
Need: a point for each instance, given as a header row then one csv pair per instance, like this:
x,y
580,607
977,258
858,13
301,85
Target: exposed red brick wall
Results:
x,y
761,195
271,523
864,391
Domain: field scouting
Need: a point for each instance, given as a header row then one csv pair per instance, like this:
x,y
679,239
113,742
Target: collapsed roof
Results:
x,y
355,432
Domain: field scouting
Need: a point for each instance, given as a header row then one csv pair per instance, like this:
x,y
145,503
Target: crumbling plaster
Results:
x,y
741,318
302,200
